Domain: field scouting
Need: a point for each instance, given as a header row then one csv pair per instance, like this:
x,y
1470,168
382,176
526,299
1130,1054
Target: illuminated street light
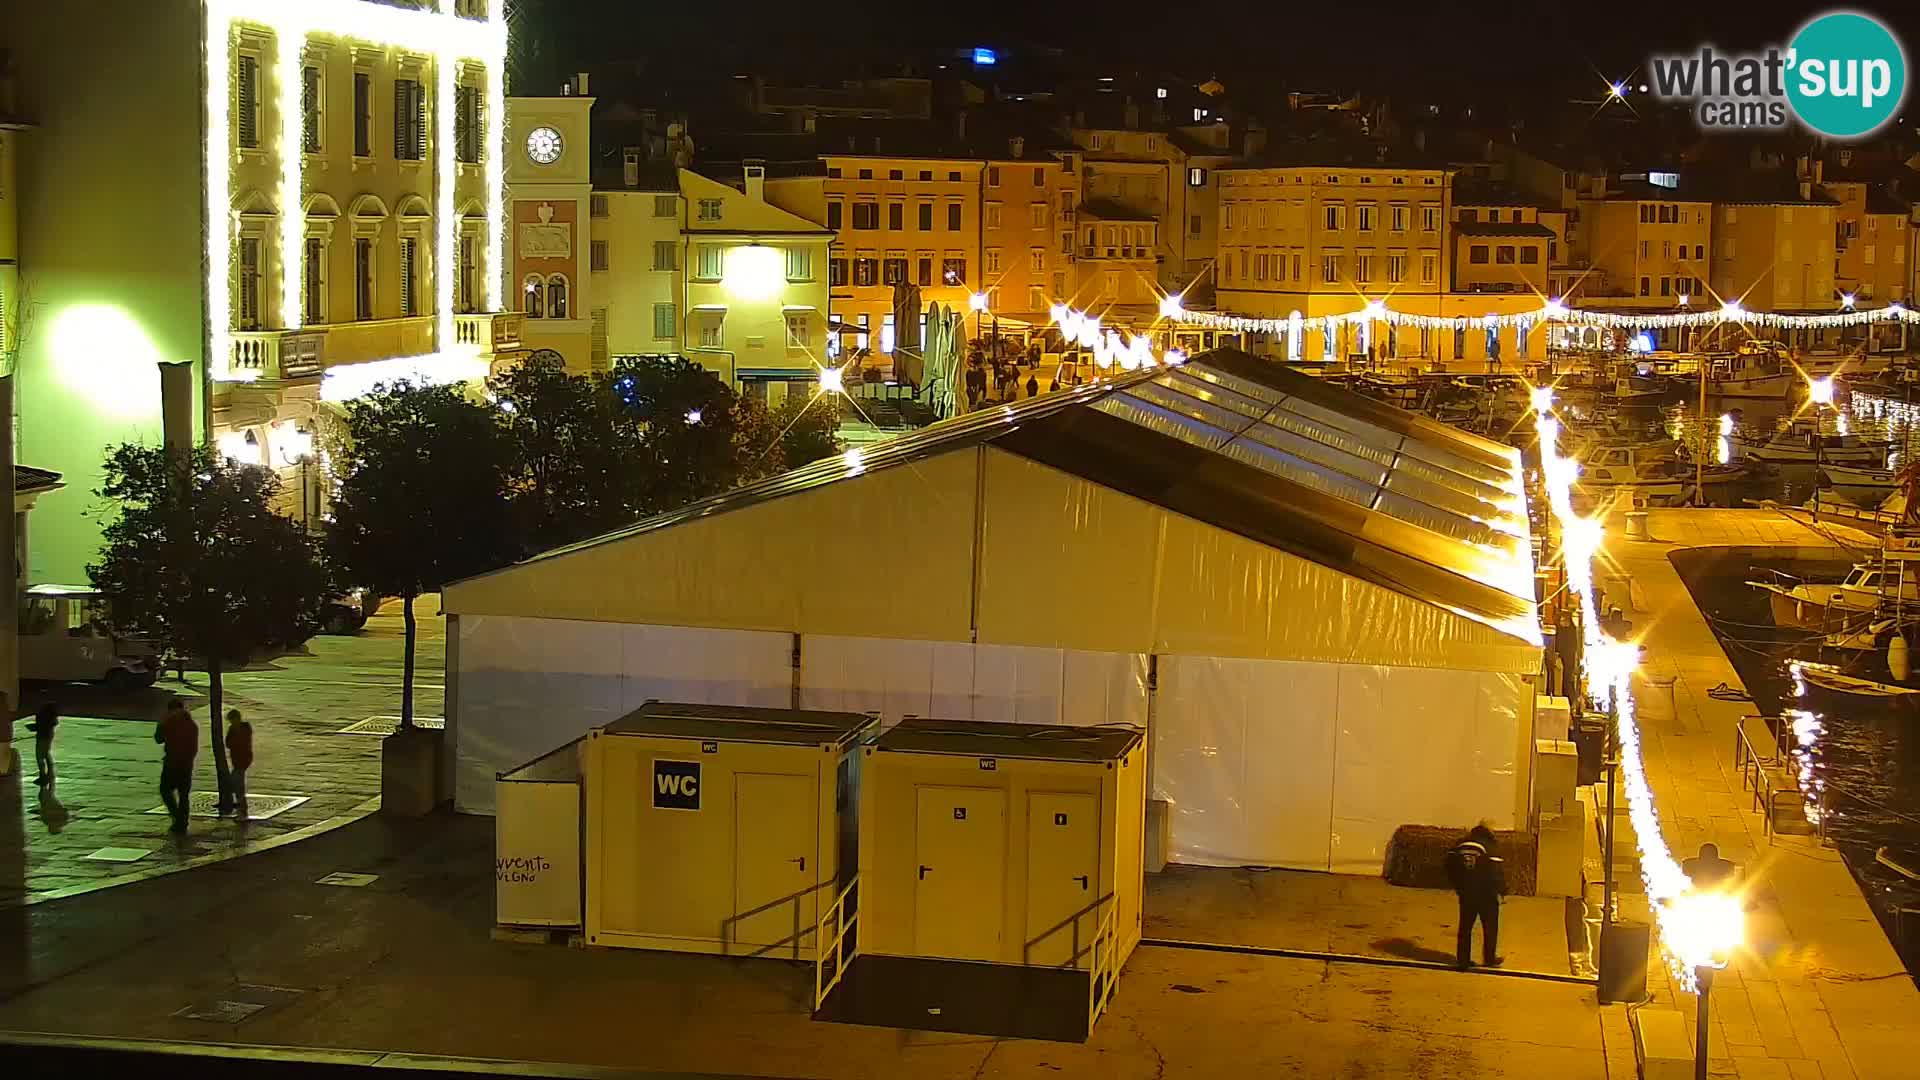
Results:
x,y
1541,398
1170,307
832,381
1820,391
1732,310
1846,301
693,415
977,302
1617,90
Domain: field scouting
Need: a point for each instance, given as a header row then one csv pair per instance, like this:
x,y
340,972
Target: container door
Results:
x,y
1063,878
960,891
776,841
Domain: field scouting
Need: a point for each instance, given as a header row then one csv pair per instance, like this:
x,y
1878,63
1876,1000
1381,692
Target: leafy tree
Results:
x,y
686,420
800,430
422,499
580,453
197,561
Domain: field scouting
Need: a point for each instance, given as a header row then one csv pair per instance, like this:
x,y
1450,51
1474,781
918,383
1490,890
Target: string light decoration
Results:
x,y
443,36
1552,311
1109,349
1697,928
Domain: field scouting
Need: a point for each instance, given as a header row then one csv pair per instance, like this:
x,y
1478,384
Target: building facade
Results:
x,y
316,183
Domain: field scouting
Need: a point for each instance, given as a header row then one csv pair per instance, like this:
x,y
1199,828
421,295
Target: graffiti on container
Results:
x,y
519,869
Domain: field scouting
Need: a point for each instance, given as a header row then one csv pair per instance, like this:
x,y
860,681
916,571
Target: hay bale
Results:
x,y
1416,857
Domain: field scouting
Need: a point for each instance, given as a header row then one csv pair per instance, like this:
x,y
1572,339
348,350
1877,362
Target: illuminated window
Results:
x,y
799,264
557,296
866,269
713,328
246,105
310,100
953,270
886,332
1196,177
409,120
894,270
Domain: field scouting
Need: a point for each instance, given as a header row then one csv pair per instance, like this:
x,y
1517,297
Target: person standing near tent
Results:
x,y
1479,879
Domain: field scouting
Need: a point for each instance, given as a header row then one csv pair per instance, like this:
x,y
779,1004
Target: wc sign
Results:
x,y
676,785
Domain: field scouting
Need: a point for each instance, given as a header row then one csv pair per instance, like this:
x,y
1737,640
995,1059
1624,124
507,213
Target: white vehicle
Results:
x,y
64,638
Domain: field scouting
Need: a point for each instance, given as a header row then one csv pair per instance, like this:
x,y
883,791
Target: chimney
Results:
x,y
1016,147
756,180
580,84
630,166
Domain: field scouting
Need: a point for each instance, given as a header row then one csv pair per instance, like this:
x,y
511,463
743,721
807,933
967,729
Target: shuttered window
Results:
x,y
310,109
466,123
663,322
362,114
469,259
249,283
409,302
409,120
597,346
316,281
247,100
362,278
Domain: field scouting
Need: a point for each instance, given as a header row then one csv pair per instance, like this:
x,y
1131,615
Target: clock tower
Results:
x,y
550,222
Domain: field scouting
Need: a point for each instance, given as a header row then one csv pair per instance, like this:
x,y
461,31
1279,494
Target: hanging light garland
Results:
x,y
1109,349
1551,311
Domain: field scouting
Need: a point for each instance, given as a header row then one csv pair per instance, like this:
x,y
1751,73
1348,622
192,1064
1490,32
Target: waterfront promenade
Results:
x,y
1819,992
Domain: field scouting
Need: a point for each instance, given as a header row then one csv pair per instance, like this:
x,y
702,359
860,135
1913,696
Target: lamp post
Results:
x,y
977,302
1820,395
1703,976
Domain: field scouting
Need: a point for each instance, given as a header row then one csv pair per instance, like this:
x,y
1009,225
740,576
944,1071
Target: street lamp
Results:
x,y
1702,930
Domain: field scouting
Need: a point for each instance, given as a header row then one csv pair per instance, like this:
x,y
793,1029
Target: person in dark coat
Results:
x,y
1708,870
1033,384
1479,879
180,738
42,725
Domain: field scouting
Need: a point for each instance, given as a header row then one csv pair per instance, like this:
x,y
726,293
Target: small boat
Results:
x,y
1803,443
1829,677
1900,384
1763,374
1650,469
1805,605
1864,486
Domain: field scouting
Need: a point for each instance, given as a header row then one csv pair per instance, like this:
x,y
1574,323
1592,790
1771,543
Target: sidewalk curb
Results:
x,y
305,832
1359,958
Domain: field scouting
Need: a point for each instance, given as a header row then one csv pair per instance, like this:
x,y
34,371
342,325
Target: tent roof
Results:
x,y
742,723
1245,445
975,738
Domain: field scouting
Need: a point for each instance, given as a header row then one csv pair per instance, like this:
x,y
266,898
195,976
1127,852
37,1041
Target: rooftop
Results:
x,y
974,738
1502,228
741,723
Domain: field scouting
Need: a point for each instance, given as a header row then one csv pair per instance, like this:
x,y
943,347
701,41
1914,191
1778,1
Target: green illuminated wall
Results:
x,y
110,237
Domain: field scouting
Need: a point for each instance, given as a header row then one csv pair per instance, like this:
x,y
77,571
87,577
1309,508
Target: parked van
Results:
x,y
64,638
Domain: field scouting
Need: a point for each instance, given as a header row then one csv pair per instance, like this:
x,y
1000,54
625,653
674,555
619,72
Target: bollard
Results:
x,y
1637,525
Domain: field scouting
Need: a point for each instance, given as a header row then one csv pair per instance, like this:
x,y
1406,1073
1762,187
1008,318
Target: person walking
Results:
x,y
179,737
42,725
1479,879
239,758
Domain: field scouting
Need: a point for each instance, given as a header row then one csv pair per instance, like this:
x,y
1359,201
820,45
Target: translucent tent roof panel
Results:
x,y
1246,445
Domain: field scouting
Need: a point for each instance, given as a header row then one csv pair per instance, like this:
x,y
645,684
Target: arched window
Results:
x,y
557,296
535,297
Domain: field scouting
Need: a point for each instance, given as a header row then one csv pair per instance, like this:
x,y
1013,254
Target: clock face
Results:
x,y
543,145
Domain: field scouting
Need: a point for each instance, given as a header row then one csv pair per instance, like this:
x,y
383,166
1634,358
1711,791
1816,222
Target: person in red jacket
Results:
x,y
180,738
239,757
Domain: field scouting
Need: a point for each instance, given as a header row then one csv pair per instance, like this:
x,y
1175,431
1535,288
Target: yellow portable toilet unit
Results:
x,y
718,829
1001,869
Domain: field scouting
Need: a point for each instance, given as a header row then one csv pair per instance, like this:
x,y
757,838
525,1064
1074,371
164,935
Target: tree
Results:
x,y
579,453
686,421
197,561
800,430
422,499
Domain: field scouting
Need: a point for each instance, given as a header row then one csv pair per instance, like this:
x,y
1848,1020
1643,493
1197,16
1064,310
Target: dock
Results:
x,y
1819,992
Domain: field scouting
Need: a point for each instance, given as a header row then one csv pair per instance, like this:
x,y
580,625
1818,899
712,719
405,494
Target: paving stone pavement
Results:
x,y
107,764
1819,992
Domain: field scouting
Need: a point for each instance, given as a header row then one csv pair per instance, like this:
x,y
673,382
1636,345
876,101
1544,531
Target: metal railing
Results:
x,y
842,916
1757,773
1101,971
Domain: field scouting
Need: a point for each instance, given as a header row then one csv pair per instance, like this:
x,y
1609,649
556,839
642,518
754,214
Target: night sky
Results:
x,y
1471,49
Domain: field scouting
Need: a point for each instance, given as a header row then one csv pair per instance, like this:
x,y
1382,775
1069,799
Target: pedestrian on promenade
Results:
x,y
42,725
179,737
1033,384
1479,879
1708,870
239,757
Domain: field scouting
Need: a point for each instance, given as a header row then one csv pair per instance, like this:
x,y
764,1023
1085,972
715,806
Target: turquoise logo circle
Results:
x,y
1847,74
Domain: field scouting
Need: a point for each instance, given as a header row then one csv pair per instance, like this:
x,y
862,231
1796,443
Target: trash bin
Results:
x,y
1623,961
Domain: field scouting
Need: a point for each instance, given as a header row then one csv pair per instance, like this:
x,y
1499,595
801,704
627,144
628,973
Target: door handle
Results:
x,y
923,872
802,860
1082,879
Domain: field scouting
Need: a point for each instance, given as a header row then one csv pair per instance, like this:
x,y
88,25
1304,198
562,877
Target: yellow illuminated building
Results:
x,y
1028,204
1776,254
550,227
1872,239
308,199
900,219
1646,248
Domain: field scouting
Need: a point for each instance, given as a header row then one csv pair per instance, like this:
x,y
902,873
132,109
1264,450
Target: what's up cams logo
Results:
x,y
1843,76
